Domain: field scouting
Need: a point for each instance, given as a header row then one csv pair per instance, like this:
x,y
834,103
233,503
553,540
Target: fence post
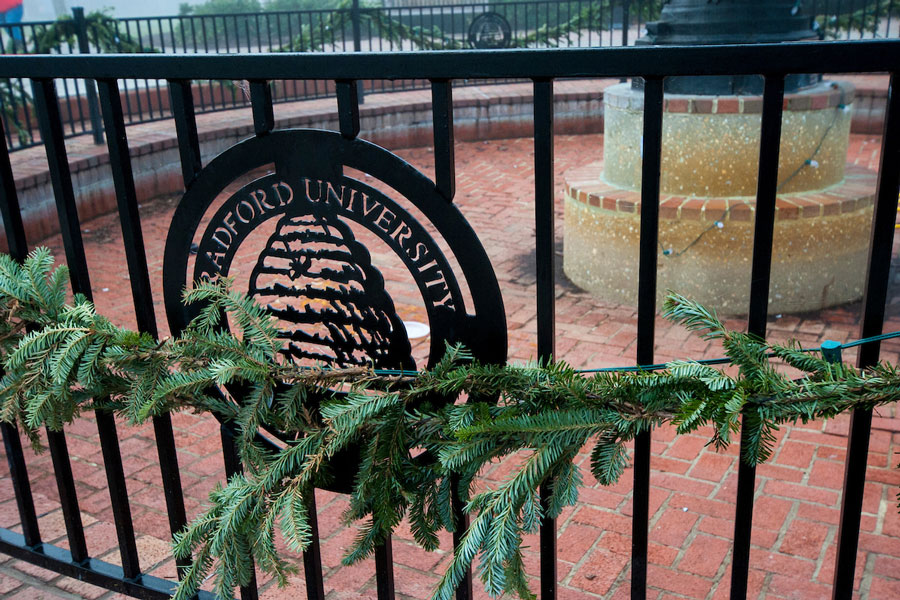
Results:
x,y
626,20
90,87
357,43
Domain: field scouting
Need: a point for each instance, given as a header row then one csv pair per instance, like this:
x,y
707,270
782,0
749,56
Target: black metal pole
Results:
x,y
874,300
357,42
760,276
90,88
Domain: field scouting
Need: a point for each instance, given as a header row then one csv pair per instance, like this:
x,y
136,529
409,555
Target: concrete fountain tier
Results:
x,y
710,144
707,202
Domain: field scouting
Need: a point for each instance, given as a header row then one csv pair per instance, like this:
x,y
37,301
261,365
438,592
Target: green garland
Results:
x,y
62,359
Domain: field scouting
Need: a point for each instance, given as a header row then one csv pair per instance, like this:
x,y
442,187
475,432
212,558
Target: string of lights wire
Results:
x,y
810,162
660,366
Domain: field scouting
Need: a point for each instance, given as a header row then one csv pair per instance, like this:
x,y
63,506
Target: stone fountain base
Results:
x,y
710,157
819,256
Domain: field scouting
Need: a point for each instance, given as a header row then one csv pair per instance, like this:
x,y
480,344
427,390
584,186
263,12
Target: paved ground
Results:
x,y
692,489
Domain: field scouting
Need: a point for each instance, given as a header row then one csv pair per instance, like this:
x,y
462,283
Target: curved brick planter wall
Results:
x,y
393,120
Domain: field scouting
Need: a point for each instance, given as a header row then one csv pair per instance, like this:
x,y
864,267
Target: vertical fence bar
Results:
x,y
444,151
877,279
384,570
50,124
646,320
52,134
233,467
18,248
544,224
763,232
348,107
312,557
357,41
182,101
261,101
445,182
123,178
84,47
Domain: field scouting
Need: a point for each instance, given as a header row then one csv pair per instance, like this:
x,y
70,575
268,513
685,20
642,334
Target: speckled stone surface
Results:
x,y
819,257
711,144
710,158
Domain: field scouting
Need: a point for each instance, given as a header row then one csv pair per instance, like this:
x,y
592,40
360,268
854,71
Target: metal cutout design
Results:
x,y
490,30
314,269
341,313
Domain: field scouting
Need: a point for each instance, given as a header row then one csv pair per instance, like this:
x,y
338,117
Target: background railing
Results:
x,y
349,28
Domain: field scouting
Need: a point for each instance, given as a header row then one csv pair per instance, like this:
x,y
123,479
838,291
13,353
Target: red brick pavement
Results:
x,y
693,487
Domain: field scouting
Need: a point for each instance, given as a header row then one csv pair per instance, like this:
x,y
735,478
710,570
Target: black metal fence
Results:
x,y
521,24
542,67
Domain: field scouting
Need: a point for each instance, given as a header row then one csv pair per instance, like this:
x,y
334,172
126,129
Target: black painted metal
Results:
x,y
544,243
869,56
186,128
10,210
84,47
90,570
348,108
461,518
233,467
118,493
646,319
763,232
734,22
384,570
15,457
18,472
18,248
51,130
327,154
47,109
142,294
444,148
261,100
312,558
877,279
546,23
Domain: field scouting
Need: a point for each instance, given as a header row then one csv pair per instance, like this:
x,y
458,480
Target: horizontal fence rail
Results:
x,y
393,27
345,71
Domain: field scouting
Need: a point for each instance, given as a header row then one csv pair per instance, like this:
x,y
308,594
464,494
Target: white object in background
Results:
x,y
415,330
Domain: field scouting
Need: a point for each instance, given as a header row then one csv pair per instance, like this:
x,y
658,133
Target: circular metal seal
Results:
x,y
342,241
490,30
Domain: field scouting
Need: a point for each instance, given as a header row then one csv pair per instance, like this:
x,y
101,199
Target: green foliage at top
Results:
x,y
102,33
419,451
223,7
854,19
273,5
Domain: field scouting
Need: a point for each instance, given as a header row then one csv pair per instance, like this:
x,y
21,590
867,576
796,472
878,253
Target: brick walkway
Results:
x,y
692,489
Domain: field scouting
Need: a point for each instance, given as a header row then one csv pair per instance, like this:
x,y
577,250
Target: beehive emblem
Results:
x,y
319,281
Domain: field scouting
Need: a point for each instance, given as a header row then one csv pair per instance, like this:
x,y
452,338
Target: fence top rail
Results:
x,y
270,13
871,56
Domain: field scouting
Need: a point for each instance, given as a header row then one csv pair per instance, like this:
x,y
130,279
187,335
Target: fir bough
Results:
x,y
417,448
